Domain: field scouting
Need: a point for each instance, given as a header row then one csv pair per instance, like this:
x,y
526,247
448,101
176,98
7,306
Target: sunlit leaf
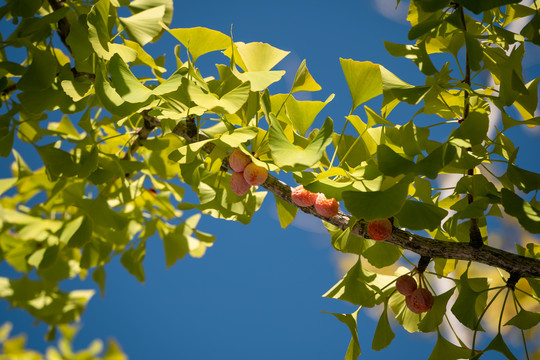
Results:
x,y
353,350
288,156
200,40
445,350
377,204
416,215
527,215
145,25
364,80
303,81
383,332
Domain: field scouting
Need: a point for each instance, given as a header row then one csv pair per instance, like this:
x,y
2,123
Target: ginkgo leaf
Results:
x,y
229,103
364,80
303,81
144,26
258,56
288,156
200,40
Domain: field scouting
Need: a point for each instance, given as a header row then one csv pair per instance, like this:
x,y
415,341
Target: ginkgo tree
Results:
x,y
120,142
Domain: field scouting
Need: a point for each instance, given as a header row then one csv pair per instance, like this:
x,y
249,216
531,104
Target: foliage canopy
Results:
x,y
120,142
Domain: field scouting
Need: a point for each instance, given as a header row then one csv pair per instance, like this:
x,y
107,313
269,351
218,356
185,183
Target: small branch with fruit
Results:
x,y
382,229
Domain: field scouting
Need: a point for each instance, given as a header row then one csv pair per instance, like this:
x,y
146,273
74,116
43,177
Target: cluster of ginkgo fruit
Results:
x,y
246,173
417,299
324,206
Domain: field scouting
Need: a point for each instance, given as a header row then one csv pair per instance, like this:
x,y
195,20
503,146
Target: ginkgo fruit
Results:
x,y
238,160
239,185
419,301
326,207
303,197
406,284
255,174
380,229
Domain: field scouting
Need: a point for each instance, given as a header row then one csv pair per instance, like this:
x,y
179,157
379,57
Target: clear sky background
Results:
x,y
256,294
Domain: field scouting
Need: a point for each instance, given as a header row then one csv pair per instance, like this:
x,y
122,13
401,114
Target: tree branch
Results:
x,y
516,265
474,231
63,23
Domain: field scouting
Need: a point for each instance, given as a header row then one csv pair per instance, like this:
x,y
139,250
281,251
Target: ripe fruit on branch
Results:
x,y
255,174
238,184
380,229
406,285
238,160
326,207
303,197
419,301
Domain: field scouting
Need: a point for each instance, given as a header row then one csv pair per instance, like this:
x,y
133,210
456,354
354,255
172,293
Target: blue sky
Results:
x,y
256,294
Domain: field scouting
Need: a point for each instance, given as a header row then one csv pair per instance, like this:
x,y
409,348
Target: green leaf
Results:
x,y
431,165
528,102
258,56
125,83
229,103
527,215
524,319
110,99
303,81
354,287
499,345
471,301
476,185
41,72
200,40
414,138
6,142
6,184
530,30
25,8
286,212
303,113
344,241
98,26
132,260
383,333
57,161
445,350
478,6
416,53
524,180
377,204
375,119
83,232
416,215
423,28
144,26
353,351
392,164
364,80
435,315
260,80
176,244
140,5
474,52
382,254
99,277
289,157
472,131
78,39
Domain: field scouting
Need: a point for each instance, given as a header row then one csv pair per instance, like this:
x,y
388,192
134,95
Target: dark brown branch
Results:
x,y
150,123
475,237
425,247
63,24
